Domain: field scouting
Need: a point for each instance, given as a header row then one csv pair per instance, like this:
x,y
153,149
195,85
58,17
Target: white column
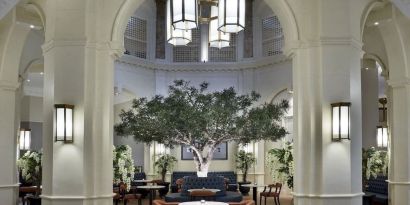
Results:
x,y
78,70
327,172
12,39
396,35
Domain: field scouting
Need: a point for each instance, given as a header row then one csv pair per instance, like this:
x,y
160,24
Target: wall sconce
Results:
x,y
340,121
382,136
25,139
64,123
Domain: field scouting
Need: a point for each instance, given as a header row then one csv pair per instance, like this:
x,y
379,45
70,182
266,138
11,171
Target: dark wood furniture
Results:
x,y
202,195
272,191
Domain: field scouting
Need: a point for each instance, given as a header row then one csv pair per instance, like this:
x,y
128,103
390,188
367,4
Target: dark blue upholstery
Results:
x,y
378,187
178,175
210,182
140,176
232,184
231,176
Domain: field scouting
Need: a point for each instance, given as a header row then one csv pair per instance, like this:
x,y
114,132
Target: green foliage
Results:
x,y
374,162
123,165
200,119
30,165
281,164
244,161
164,163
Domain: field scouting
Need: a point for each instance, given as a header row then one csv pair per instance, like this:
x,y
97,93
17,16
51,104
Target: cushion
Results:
x,y
230,197
176,197
210,182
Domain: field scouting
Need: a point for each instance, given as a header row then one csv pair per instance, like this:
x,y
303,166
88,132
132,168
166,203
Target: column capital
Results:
x,y
9,86
396,83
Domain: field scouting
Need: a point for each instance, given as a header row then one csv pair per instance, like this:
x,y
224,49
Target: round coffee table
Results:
x,y
152,189
254,187
205,203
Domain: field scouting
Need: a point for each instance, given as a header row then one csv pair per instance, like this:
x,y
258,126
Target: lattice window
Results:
x,y
192,51
272,36
135,37
227,54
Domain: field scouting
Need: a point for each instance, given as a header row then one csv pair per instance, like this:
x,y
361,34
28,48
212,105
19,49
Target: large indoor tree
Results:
x,y
201,120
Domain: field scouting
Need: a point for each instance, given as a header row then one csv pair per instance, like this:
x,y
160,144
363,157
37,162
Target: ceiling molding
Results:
x,y
203,67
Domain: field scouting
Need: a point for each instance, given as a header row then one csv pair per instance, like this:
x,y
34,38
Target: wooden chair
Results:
x,y
122,195
274,191
203,194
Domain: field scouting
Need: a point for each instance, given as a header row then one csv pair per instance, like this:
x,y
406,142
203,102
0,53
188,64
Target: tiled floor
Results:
x,y
284,200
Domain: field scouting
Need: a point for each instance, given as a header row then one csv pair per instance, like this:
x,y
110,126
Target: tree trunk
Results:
x,y
202,170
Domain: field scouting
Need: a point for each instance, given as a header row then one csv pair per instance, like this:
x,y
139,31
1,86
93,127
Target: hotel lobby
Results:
x,y
205,102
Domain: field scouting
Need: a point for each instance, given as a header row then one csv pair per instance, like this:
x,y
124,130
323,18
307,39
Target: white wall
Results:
x,y
137,148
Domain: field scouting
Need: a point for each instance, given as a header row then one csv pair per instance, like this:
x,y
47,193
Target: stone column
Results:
x,y
326,69
161,32
12,41
79,70
395,30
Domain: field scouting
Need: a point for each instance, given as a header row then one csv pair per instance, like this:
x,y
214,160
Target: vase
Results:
x,y
202,173
163,191
244,190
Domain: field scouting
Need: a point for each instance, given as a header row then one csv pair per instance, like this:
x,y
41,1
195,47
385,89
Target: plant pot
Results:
x,y
164,191
202,173
34,200
244,190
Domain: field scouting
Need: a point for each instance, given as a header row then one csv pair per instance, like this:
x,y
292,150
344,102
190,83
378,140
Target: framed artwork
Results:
x,y
221,152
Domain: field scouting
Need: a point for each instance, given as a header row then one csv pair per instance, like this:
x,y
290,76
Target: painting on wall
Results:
x,y
221,152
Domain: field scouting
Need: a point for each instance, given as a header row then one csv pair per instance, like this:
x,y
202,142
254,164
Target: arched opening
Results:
x,y
154,75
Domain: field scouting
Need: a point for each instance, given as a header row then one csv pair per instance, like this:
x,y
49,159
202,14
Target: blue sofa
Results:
x,y
379,188
230,175
211,182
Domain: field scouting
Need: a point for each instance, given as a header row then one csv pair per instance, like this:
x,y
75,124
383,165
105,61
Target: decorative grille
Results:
x,y
272,36
135,38
191,52
227,54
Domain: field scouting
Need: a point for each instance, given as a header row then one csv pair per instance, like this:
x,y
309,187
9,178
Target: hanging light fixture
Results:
x,y
184,14
340,121
231,16
227,16
176,37
382,136
217,39
25,139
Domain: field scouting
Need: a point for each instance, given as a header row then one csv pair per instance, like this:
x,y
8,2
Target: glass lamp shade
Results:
x,y
340,121
176,37
382,136
64,123
25,139
217,39
231,18
183,13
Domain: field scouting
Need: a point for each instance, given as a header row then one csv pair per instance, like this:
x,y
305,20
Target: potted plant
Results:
x,y
164,163
244,161
281,165
30,165
123,166
202,120
374,162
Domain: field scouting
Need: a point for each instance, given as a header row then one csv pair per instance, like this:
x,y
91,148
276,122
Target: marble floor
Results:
x,y
284,200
